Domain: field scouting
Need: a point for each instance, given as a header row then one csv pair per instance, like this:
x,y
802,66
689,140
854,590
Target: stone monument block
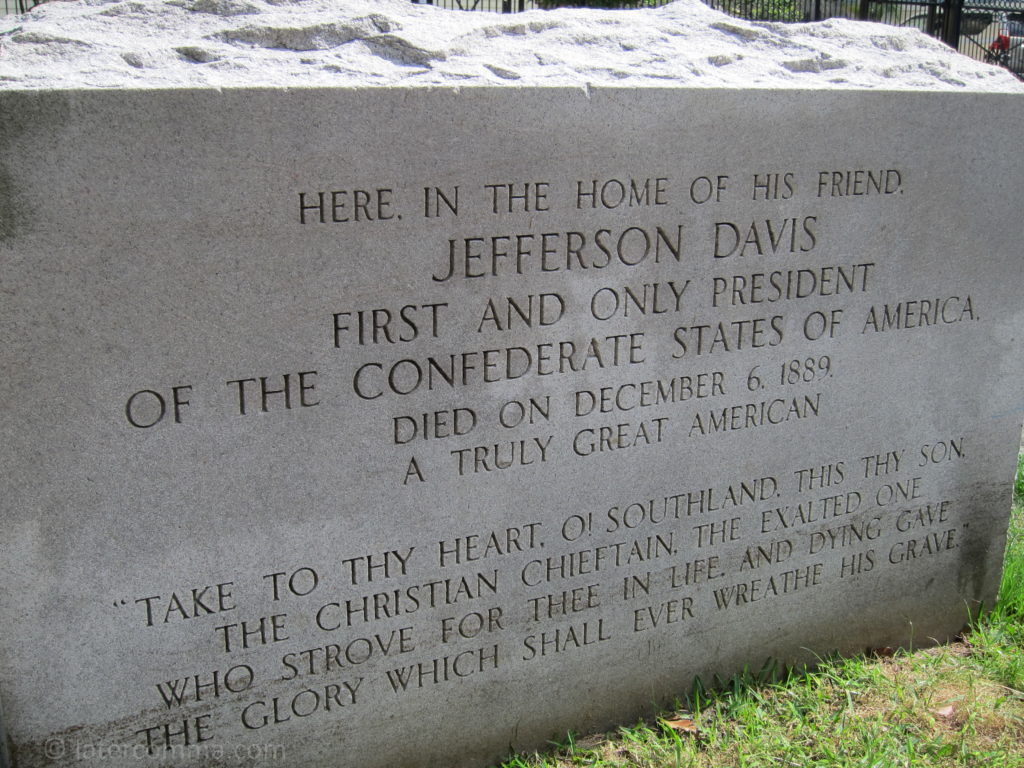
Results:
x,y
391,426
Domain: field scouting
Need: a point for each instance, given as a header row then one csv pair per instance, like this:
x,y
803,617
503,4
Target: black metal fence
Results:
x,y
494,6
17,6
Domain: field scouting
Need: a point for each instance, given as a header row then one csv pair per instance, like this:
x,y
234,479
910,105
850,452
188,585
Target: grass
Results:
x,y
955,705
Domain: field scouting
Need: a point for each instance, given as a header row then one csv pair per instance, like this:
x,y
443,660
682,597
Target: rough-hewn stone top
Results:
x,y
302,43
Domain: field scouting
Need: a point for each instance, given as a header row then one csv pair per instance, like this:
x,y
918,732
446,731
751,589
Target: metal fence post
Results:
x,y
865,9
933,27
951,28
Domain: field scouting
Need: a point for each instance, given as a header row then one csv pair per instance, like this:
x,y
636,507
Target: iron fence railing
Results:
x,y
494,6
17,6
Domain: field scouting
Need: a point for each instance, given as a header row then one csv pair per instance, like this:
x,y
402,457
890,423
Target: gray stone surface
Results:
x,y
590,392
692,482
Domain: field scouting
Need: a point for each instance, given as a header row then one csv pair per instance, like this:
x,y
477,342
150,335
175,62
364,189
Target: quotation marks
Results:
x,y
119,603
